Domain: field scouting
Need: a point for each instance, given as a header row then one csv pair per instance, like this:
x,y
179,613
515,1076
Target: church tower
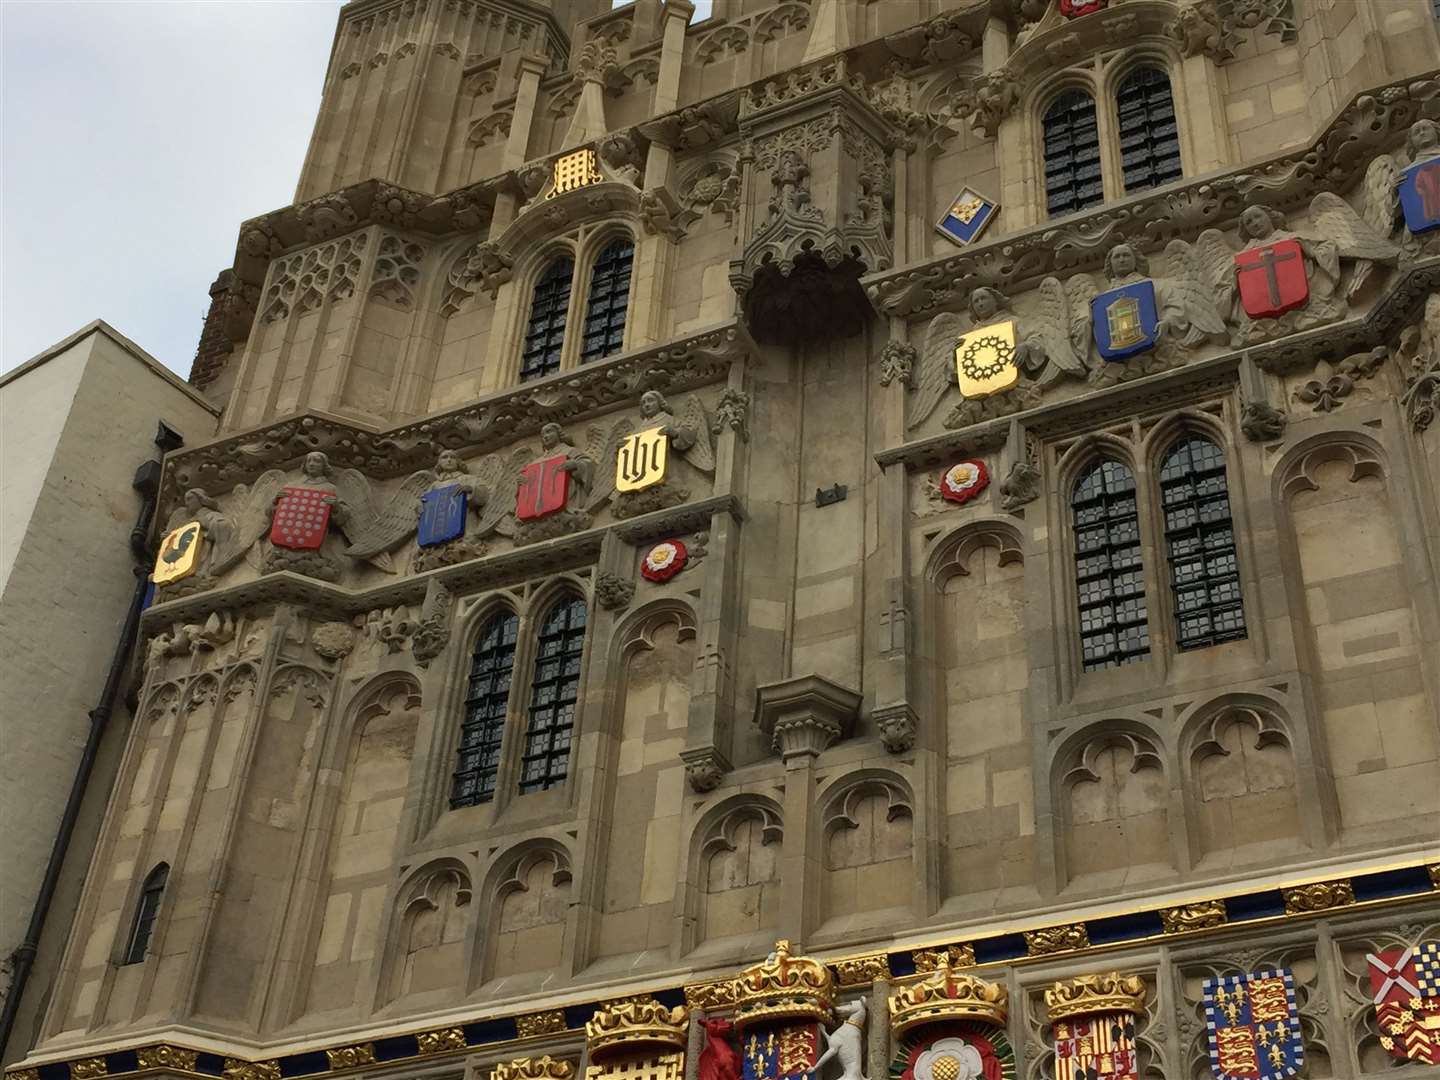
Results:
x,y
896,534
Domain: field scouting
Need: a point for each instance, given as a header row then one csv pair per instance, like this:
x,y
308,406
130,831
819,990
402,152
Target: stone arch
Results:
x,y
1084,452
867,838
432,915
1111,789
736,854
528,926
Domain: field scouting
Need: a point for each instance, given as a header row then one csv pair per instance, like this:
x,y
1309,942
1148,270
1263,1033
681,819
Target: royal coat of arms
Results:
x,y
964,1051
1406,985
442,515
1271,279
1098,1047
1419,189
966,217
780,1051
640,461
1126,320
1253,1026
544,488
301,518
179,553
985,360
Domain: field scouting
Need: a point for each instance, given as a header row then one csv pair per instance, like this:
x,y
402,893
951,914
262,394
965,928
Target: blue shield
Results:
x,y
967,217
442,515
1125,320
1420,196
1253,1026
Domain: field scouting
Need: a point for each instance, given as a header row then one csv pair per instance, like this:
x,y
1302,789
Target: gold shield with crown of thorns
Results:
x,y
985,360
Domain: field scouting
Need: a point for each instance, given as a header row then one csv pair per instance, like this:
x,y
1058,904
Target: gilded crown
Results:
x,y
783,987
945,995
635,1022
1111,992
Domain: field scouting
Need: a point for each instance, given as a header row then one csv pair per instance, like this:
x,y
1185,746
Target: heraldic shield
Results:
x,y
442,515
302,515
985,360
544,489
789,1050
640,461
1097,1047
179,553
955,1051
1420,196
1254,1026
1126,321
1406,986
1272,279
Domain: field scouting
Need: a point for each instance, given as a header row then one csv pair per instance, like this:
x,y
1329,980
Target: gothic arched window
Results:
x,y
554,690
151,893
545,331
483,725
1149,139
1200,542
1072,154
609,297
1109,577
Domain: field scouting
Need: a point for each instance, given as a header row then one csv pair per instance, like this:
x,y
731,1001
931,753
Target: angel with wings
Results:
x,y
689,436
1184,300
689,432
1389,175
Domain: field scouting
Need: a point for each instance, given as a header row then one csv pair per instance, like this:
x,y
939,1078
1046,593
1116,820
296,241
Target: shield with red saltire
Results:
x,y
544,488
1406,986
1073,9
1254,1026
1420,196
1272,279
302,515
779,1051
1098,1047
954,1051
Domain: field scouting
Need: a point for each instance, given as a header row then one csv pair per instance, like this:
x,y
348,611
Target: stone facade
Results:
x,y
860,716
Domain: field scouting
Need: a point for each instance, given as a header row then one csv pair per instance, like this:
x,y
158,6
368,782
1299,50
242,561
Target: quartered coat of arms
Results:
x,y
1406,985
1253,1026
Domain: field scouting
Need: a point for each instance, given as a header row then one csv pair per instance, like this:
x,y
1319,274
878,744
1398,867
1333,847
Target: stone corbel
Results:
x,y
1259,420
805,715
898,726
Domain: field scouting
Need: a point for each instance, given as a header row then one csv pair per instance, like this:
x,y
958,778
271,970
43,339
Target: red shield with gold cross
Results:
x,y
1272,279
302,515
1406,986
544,488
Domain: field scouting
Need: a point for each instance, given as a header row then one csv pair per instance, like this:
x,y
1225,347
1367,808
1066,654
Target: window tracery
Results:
x,y
554,691
545,330
608,300
487,699
1148,135
1109,577
1200,545
1073,178
146,912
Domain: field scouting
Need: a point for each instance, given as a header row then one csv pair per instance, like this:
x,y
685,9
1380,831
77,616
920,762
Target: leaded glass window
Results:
x,y
554,690
1149,139
609,297
1108,573
1072,154
545,332
1200,538
151,893
482,727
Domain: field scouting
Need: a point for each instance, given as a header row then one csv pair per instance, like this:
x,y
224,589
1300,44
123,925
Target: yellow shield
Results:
x,y
985,360
179,553
641,460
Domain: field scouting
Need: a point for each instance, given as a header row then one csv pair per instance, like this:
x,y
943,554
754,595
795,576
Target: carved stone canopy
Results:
x,y
806,714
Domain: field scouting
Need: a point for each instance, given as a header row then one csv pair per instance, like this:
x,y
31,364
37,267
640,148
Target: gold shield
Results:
x,y
641,459
985,360
179,553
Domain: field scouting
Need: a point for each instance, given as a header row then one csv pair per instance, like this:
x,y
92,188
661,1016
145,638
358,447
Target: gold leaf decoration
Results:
x,y
540,1023
87,1068
719,994
860,970
235,1069
955,956
164,1056
1201,916
1053,939
436,1042
348,1057
541,1068
1318,896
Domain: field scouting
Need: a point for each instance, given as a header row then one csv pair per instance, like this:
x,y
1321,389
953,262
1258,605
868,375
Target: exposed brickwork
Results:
x,y
227,325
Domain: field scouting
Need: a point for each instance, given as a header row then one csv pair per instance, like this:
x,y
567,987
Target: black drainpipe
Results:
x,y
147,482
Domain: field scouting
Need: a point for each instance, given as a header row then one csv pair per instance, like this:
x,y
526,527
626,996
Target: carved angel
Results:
x,y
197,505
1380,207
689,431
602,445
1184,302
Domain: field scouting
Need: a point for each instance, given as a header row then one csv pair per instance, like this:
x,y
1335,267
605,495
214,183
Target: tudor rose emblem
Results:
x,y
179,553
985,360
640,462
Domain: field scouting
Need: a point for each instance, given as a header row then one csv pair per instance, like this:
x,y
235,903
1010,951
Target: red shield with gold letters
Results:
x,y
544,488
301,517
1272,279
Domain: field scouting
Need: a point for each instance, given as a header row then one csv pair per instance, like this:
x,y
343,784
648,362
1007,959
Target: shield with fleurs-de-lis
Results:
x,y
1253,1026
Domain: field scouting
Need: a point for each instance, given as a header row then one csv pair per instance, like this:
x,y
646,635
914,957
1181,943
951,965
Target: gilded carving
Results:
x,y
165,1056
235,1069
1052,939
547,1022
718,994
88,1068
541,1068
440,1040
861,970
348,1057
1317,896
955,956
1200,916
1085,994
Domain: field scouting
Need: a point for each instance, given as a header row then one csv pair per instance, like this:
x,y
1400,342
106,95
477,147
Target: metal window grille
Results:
x,y
486,699
609,297
151,893
545,332
1149,139
1072,154
1108,572
554,690
1200,537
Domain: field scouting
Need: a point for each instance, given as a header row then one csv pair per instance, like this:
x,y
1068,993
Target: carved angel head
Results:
x,y
551,436
449,463
1257,222
986,303
317,466
652,403
1122,260
1423,140
196,498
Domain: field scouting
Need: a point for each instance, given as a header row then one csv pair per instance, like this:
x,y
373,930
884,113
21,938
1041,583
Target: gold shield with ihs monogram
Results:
x,y
640,462
179,553
985,360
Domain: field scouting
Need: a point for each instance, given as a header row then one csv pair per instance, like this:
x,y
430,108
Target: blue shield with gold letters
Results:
x,y
442,515
1125,320
1420,196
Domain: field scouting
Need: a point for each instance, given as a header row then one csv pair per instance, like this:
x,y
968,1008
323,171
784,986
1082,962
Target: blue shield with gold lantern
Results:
x,y
1125,320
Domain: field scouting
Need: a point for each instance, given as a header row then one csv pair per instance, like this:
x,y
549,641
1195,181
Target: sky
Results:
x,y
135,137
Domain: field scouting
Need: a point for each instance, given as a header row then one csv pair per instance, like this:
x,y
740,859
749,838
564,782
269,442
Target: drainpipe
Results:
x,y
147,483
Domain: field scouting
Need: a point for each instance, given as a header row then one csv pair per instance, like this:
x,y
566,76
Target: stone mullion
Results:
x,y
329,392
1046,575
405,148
800,851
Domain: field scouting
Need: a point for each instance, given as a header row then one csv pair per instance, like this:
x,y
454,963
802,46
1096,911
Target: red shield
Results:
x,y
1272,279
544,489
1073,9
301,517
